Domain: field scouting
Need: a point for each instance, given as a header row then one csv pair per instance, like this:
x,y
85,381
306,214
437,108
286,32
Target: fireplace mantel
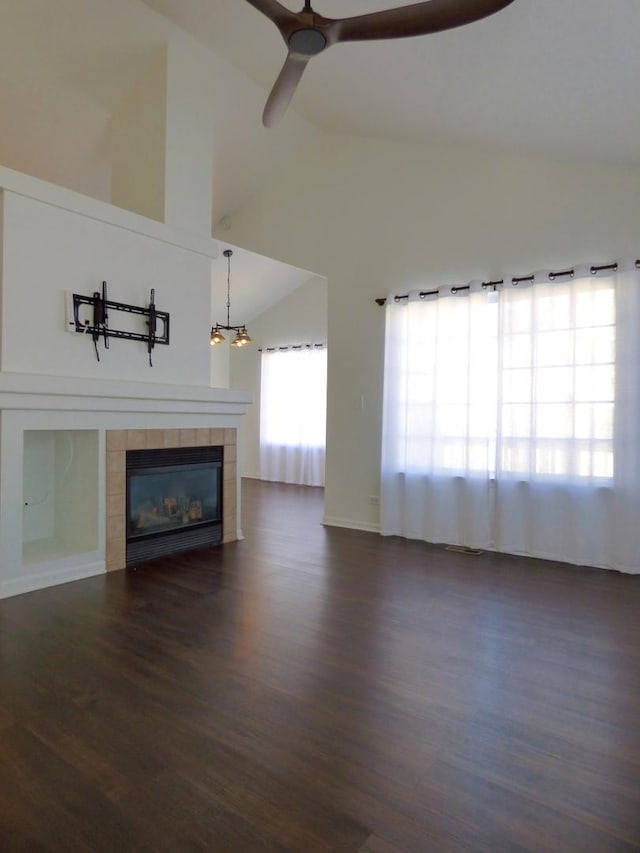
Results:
x,y
68,393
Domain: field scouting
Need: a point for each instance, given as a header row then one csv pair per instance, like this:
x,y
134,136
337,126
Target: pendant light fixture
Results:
x,y
241,338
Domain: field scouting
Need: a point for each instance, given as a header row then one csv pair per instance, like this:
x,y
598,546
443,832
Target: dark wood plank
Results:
x,y
316,689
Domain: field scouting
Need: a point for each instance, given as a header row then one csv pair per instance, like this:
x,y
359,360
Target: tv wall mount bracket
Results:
x,y
98,327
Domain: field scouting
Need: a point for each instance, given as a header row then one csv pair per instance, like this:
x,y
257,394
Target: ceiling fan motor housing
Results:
x,y
307,42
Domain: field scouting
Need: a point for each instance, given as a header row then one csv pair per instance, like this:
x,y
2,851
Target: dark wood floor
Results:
x,y
315,689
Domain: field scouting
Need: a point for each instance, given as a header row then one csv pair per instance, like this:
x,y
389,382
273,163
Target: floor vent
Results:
x,y
462,549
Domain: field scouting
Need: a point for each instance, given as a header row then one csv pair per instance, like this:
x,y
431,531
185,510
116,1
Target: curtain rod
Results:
x,y
457,288
291,346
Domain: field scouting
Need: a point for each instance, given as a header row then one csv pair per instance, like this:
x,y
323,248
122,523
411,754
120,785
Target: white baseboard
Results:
x,y
351,524
51,577
250,476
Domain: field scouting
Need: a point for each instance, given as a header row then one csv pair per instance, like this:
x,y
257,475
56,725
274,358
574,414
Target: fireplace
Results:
x,y
173,501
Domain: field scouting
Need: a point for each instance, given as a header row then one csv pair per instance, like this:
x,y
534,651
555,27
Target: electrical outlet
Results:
x,y
374,500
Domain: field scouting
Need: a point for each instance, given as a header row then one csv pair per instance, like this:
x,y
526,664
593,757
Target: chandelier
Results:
x,y
241,338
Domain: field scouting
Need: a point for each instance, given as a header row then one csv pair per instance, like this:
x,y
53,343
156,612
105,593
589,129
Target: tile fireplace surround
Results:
x,y
121,440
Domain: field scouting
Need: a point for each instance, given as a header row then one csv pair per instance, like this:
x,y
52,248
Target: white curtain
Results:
x,y
293,403
512,421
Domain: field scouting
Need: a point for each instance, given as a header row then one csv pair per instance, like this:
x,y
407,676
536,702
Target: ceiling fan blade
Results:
x,y
276,12
283,89
415,20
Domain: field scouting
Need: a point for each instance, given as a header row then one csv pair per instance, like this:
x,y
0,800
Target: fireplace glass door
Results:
x,y
174,497
174,501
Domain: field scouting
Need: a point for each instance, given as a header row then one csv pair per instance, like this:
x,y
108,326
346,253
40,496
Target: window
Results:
x,y
293,415
521,384
510,419
557,382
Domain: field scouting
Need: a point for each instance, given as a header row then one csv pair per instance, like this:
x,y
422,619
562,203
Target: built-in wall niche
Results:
x,y
60,494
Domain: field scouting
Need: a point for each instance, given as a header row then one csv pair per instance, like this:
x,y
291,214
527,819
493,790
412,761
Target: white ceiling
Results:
x,y
555,77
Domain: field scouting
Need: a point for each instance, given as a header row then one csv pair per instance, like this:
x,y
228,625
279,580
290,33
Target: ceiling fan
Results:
x,y
307,34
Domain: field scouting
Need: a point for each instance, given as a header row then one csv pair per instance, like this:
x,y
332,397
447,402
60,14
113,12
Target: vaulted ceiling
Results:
x,y
555,77
552,77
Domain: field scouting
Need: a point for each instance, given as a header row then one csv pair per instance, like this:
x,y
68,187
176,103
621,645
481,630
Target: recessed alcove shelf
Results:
x,y
60,494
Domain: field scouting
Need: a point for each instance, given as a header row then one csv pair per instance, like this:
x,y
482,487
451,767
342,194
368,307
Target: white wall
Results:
x,y
49,250
60,491
190,138
386,215
221,364
162,140
299,318
39,485
138,142
35,134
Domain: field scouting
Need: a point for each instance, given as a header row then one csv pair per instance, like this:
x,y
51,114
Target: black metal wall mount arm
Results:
x,y
157,321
